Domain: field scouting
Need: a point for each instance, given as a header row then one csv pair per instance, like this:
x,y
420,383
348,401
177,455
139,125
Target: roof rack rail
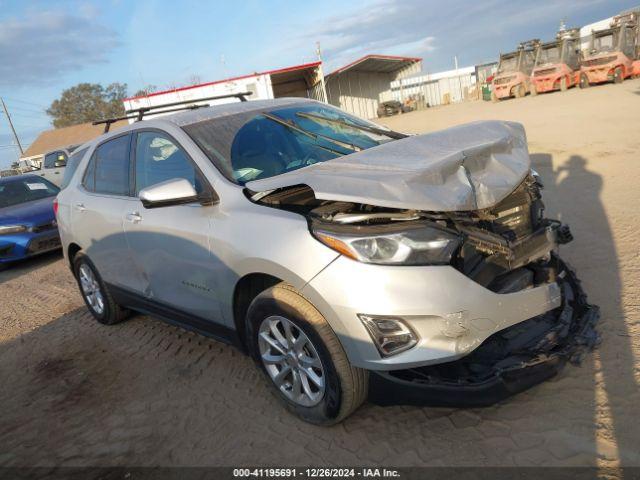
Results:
x,y
139,113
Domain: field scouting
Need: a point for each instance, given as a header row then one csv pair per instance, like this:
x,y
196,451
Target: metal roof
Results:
x,y
377,64
63,137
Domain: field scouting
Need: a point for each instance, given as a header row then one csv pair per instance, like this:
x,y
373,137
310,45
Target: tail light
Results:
x,y
55,207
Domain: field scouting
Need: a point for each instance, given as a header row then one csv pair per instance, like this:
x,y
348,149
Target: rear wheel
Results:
x,y
618,75
584,81
302,359
564,84
95,293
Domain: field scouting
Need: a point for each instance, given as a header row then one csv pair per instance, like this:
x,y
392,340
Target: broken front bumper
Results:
x,y
507,363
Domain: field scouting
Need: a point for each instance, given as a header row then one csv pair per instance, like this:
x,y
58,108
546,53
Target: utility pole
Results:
x,y
15,135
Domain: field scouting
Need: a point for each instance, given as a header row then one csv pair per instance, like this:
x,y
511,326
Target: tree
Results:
x,y
87,102
143,92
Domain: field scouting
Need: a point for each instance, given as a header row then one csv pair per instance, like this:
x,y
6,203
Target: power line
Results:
x,y
25,102
30,110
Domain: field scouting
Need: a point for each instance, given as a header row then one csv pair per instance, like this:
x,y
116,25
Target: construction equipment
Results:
x,y
614,53
514,71
557,63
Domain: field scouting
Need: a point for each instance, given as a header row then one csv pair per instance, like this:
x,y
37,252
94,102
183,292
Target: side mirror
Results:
x,y
177,191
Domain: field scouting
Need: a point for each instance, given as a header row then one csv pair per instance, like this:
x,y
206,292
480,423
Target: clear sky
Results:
x,y
47,46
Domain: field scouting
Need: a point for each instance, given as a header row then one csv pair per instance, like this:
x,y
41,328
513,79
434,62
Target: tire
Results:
x,y
110,312
618,75
494,97
564,84
584,81
532,90
520,91
344,386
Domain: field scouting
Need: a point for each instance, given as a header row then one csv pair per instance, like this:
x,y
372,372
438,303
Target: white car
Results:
x,y
54,164
349,260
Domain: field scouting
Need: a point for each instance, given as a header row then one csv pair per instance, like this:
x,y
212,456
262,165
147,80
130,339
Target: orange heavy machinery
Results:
x,y
513,78
614,53
557,63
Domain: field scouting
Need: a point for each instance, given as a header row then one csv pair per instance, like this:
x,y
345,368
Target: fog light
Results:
x,y
391,335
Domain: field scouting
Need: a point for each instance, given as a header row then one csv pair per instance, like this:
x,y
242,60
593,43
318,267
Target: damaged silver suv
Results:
x,y
350,261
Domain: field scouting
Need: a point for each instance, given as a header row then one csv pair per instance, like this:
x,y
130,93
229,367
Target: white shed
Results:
x,y
439,88
360,86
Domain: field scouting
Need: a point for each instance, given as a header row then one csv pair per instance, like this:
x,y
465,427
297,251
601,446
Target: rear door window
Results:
x,y
72,166
108,170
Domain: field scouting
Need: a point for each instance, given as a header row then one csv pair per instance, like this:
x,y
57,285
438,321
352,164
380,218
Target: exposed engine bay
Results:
x,y
506,248
513,237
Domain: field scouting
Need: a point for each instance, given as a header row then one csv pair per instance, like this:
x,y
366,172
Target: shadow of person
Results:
x,y
574,195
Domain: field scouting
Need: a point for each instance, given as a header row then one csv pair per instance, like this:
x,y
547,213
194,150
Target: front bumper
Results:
x,y
450,313
21,246
599,74
504,90
507,363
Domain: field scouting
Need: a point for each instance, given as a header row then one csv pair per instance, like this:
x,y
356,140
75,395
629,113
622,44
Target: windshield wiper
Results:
x,y
365,128
315,136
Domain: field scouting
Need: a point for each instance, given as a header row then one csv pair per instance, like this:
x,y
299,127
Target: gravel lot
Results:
x,y
145,393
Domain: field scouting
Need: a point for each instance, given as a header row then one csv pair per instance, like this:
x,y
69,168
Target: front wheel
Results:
x,y
618,75
520,91
564,84
302,359
95,293
584,81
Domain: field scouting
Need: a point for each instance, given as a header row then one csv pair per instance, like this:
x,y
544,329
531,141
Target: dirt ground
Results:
x,y
74,392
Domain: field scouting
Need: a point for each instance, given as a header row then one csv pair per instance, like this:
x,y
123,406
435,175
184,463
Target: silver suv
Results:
x,y
349,260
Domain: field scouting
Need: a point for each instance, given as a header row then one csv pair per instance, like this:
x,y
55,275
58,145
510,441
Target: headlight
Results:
x,y
400,244
7,229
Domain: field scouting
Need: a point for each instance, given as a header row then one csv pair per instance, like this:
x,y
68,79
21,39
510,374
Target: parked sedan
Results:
x,y
27,221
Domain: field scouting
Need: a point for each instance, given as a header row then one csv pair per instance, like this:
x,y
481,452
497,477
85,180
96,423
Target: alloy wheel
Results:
x,y
91,289
291,360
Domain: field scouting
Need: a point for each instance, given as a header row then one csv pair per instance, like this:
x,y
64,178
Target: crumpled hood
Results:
x,y
468,167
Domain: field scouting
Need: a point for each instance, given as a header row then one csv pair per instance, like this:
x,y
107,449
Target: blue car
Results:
x,y
27,221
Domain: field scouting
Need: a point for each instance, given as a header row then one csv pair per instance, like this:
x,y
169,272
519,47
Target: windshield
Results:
x,y
285,139
23,190
604,43
508,64
549,55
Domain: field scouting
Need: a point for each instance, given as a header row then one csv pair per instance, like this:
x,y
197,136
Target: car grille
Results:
x,y
502,80
43,227
546,71
598,61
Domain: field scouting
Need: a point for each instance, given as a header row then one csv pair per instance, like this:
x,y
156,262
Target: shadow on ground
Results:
x,y
14,270
573,194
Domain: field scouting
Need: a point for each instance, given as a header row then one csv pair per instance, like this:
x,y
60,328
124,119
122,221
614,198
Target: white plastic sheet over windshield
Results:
x,y
469,167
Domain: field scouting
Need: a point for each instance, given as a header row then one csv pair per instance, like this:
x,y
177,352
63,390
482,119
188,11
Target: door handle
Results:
x,y
134,217
80,207
57,173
